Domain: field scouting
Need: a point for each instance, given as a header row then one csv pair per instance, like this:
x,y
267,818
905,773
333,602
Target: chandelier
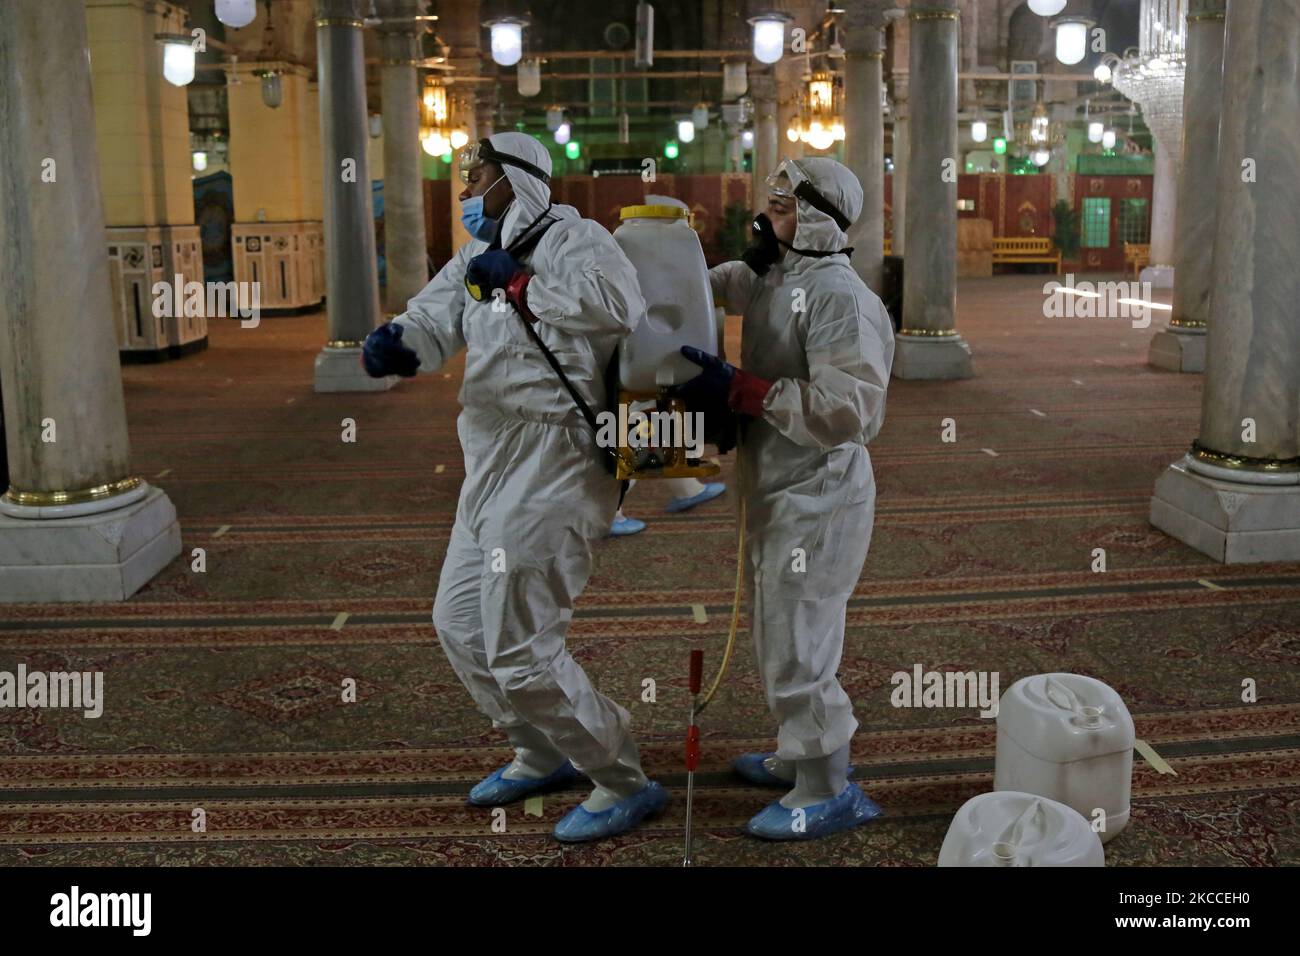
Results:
x,y
436,136
820,123
1152,75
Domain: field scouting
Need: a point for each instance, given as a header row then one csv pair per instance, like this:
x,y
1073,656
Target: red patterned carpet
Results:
x,y
223,687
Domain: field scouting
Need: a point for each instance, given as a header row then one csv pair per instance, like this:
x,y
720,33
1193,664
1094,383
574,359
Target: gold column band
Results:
x,y
400,62
46,498
1188,323
339,22
344,344
1243,462
1193,17
934,333
933,14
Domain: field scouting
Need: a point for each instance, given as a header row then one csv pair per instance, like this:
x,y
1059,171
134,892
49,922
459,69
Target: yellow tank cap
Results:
x,y
653,212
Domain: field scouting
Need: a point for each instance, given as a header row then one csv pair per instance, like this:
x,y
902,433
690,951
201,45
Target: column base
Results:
x,y
1177,351
106,556
931,357
339,370
1160,277
1232,522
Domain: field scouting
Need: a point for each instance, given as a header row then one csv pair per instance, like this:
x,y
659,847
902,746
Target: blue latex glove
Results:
x,y
712,385
492,270
707,393
384,354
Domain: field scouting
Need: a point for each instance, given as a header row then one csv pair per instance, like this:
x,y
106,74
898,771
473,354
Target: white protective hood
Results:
x,y
532,196
817,231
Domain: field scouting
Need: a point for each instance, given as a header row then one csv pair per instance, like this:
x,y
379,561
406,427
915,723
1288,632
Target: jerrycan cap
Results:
x,y
653,212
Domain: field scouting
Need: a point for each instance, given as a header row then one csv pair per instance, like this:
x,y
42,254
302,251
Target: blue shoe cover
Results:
x,y
850,808
580,825
495,790
711,491
625,526
750,766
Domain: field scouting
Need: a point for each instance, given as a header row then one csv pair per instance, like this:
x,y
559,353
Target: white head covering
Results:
x,y
837,184
532,196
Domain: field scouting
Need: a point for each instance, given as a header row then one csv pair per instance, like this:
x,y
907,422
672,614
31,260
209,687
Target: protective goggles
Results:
x,y
482,152
789,182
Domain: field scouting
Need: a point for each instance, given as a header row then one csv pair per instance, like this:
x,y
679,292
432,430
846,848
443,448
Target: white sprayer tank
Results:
x,y
1006,828
674,280
1068,738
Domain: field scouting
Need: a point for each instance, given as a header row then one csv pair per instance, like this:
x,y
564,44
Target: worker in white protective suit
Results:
x,y
535,490
816,351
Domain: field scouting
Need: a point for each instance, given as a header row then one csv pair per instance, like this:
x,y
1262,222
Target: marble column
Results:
x,y
405,248
928,345
1181,346
351,270
902,144
75,524
1236,495
1164,206
766,145
864,137
901,45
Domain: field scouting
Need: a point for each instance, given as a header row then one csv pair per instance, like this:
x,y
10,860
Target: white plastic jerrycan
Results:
x,y
1005,828
1069,738
674,280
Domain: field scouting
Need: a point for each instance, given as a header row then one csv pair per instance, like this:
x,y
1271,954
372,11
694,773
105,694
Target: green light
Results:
x,y
670,149
572,149
999,146
446,158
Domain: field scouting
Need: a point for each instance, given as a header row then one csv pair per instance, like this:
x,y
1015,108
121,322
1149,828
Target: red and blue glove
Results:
x,y
722,381
498,269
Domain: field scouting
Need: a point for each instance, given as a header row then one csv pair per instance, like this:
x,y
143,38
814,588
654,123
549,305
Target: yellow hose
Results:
x,y
735,601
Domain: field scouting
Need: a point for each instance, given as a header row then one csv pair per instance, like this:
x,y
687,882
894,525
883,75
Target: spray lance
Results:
x,y
696,682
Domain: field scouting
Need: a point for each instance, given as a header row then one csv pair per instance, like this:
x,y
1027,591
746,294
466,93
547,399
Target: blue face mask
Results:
x,y
477,224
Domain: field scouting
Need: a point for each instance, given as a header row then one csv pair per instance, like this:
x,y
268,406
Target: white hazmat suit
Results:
x,y
535,489
813,329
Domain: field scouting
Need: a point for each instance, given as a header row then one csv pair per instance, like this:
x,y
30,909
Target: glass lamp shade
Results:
x,y
272,90
562,133
1108,139
507,41
735,79
1047,8
1095,132
700,116
1071,41
530,77
178,62
979,131
747,139
236,13
685,131
769,38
